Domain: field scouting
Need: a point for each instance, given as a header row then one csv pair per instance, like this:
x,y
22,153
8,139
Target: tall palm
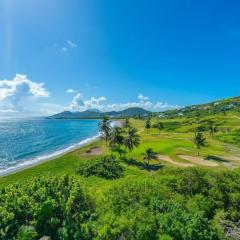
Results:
x,y
132,139
212,127
105,129
199,141
127,123
117,140
159,126
149,155
148,125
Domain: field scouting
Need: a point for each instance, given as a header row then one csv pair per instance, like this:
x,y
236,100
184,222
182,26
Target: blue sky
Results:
x,y
113,54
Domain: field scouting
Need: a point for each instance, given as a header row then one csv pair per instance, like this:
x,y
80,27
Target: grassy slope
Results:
x,y
171,142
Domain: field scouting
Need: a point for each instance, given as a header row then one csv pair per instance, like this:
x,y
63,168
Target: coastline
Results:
x,y
45,158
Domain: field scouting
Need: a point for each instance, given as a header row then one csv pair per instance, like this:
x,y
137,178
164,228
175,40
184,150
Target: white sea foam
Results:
x,y
43,158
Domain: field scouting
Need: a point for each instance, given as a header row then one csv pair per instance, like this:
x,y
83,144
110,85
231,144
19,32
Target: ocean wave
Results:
x,y
29,163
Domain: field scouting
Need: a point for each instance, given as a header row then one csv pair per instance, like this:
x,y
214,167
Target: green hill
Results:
x,y
216,107
92,113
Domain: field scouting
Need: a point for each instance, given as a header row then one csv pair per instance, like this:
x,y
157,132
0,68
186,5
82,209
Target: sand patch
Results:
x,y
232,158
168,159
199,161
94,151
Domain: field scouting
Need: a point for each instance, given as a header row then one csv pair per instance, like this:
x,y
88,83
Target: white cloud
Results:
x,y
79,104
69,45
142,97
19,93
63,49
70,90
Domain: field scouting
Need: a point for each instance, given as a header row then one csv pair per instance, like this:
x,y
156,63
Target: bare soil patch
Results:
x,y
168,159
199,161
94,151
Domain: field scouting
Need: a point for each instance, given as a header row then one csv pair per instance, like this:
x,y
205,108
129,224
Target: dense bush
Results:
x,y
172,204
146,209
50,206
106,167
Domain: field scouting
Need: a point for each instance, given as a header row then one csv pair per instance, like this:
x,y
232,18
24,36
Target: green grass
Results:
x,y
176,139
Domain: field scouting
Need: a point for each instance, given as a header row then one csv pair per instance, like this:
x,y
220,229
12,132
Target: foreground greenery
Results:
x,y
127,191
172,204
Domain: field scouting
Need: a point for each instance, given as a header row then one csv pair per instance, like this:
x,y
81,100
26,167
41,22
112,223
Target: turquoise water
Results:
x,y
23,142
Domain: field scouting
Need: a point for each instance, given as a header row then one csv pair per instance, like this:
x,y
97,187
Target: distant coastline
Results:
x,y
41,159
48,157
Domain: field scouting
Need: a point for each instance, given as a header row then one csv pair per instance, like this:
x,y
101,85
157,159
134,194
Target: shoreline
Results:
x,y
52,156
45,158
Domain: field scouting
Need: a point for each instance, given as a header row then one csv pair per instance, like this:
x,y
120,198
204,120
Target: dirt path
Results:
x,y
232,158
168,159
199,161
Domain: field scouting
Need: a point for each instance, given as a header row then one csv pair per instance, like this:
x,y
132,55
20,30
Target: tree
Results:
x,y
148,124
132,139
117,140
149,155
105,129
212,128
127,123
199,141
159,126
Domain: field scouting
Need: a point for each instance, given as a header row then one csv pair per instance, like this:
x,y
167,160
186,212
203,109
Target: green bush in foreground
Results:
x,y
173,204
45,206
107,167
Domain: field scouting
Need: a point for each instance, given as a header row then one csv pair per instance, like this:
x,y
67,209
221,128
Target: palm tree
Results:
x,y
149,155
127,123
105,129
148,125
199,141
117,140
212,128
132,139
159,126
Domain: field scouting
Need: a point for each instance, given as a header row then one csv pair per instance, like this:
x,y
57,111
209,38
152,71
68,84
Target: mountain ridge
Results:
x,y
92,113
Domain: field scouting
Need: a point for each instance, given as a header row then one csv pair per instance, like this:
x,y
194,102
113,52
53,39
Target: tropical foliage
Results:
x,y
149,155
107,167
175,204
199,141
46,206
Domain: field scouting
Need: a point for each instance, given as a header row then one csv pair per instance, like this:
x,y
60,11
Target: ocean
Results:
x,y
26,142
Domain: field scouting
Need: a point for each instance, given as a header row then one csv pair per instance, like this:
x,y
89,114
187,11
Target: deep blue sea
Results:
x,y
24,142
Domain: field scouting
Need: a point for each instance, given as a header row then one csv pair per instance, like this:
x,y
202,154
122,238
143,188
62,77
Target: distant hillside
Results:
x,y
130,112
221,106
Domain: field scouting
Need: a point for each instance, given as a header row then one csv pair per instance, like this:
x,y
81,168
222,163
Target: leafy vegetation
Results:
x,y
149,155
57,207
199,141
106,167
173,204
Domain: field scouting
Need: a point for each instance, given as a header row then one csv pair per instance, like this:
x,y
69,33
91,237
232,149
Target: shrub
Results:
x,y
107,167
45,206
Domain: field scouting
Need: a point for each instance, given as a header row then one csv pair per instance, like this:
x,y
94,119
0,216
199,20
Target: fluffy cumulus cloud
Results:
x,y
19,93
142,97
79,104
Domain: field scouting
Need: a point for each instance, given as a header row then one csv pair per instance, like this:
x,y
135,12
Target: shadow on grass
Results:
x,y
215,158
141,165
